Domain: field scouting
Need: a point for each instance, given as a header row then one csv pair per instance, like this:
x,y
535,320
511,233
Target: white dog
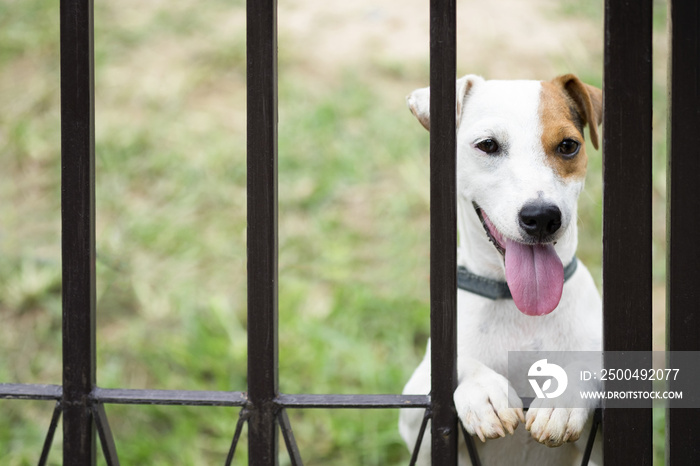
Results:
x,y
521,164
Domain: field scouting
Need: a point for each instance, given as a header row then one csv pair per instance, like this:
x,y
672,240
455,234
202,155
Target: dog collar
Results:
x,y
496,289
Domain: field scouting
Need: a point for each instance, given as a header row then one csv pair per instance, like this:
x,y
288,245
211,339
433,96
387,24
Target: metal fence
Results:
x,y
627,264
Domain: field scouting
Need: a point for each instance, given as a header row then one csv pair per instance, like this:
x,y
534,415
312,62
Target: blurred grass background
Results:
x,y
171,210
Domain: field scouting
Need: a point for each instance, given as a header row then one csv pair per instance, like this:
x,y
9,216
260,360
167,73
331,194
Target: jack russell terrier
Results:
x,y
521,165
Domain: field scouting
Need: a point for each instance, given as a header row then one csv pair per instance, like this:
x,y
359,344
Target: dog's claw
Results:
x,y
567,436
500,431
480,434
521,415
529,422
485,407
572,436
555,427
510,429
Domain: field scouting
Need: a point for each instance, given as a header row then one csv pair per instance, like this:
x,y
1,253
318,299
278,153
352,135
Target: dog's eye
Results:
x,y
490,146
568,147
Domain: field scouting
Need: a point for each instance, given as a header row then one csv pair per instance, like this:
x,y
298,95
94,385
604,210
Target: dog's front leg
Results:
x,y
482,401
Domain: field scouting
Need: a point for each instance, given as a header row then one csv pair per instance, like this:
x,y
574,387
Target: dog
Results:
x,y
521,165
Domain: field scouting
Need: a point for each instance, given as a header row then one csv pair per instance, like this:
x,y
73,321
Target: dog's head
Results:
x,y
521,164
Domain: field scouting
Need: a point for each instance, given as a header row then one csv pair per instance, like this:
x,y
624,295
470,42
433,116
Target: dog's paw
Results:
x,y
483,406
555,426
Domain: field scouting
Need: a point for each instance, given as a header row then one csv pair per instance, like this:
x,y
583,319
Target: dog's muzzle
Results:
x,y
534,272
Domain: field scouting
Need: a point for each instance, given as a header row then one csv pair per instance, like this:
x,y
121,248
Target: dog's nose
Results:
x,y
540,219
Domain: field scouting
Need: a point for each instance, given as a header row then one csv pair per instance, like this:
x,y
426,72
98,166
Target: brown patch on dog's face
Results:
x,y
562,129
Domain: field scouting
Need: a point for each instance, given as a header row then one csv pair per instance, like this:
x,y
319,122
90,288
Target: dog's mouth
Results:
x,y
534,272
492,233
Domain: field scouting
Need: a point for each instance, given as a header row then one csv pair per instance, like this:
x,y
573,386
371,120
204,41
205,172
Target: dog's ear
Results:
x,y
419,100
588,101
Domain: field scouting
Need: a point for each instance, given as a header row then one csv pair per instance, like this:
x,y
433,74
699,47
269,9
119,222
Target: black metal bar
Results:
x,y
214,398
243,416
109,450
78,229
443,231
419,439
627,265
262,230
48,441
30,391
354,401
471,447
168,397
597,417
289,440
683,216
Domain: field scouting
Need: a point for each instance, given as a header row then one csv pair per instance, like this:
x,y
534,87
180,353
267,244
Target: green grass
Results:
x,y
171,231
171,215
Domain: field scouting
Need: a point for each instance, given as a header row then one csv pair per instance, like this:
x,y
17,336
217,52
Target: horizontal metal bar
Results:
x,y
214,398
30,391
353,401
169,397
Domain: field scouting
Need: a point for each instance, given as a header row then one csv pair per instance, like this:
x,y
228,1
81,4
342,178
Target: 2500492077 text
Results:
x,y
629,374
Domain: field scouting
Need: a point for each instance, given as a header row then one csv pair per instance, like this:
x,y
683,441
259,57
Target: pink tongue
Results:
x,y
535,276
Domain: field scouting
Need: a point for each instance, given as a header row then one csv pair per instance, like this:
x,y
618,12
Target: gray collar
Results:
x,y
495,289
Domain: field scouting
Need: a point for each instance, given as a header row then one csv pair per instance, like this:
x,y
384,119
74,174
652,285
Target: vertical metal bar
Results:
x,y
683,215
443,230
262,229
627,266
78,229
